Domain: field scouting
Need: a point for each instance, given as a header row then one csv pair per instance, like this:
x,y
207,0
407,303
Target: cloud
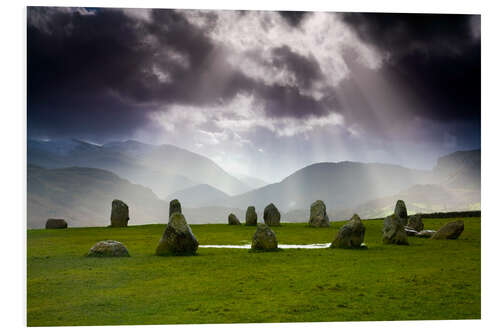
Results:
x,y
109,64
240,81
435,55
233,120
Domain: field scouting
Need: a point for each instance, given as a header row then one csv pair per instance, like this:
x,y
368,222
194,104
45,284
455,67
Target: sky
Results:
x,y
261,93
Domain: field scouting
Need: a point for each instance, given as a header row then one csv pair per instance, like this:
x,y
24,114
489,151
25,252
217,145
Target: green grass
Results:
x,y
427,280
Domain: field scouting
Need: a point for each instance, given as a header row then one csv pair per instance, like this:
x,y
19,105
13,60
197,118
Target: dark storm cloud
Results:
x,y
103,71
293,17
435,56
75,69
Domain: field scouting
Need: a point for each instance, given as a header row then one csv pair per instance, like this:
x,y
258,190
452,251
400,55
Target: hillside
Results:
x,y
252,182
165,168
83,197
418,199
344,184
461,170
198,196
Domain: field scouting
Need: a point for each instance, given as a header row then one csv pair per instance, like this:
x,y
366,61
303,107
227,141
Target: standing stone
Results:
x,y
264,239
175,207
318,216
178,239
56,224
393,231
400,211
119,214
351,235
108,248
233,220
450,230
415,222
251,216
272,215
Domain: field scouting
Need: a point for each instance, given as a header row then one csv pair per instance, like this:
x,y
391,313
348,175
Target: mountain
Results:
x,y
165,168
83,197
343,184
418,199
252,182
455,185
198,196
460,170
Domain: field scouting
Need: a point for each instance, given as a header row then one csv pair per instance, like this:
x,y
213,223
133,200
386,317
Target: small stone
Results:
x,y
351,235
177,239
108,248
415,222
272,215
318,216
56,224
450,230
400,211
233,220
393,231
251,216
264,239
119,214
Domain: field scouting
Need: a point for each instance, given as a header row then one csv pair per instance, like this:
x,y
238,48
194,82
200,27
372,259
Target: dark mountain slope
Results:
x,y
83,196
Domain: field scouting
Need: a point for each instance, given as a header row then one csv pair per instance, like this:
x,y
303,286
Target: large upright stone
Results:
x,y
251,216
56,224
351,235
450,230
393,231
175,207
108,248
233,220
119,214
318,216
400,211
264,239
177,239
272,215
415,222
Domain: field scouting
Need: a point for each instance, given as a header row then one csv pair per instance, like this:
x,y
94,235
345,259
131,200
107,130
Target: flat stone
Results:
x,y
108,248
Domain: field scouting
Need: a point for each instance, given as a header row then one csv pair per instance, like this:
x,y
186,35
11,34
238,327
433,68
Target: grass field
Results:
x,y
427,280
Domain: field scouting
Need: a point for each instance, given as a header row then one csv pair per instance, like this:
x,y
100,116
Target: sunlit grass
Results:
x,y
426,280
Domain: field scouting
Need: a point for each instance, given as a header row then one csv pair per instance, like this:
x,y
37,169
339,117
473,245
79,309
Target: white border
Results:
x,y
13,139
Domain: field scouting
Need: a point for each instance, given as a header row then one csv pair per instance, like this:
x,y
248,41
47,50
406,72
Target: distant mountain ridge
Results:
x,y
455,185
369,189
342,184
83,196
165,168
199,196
